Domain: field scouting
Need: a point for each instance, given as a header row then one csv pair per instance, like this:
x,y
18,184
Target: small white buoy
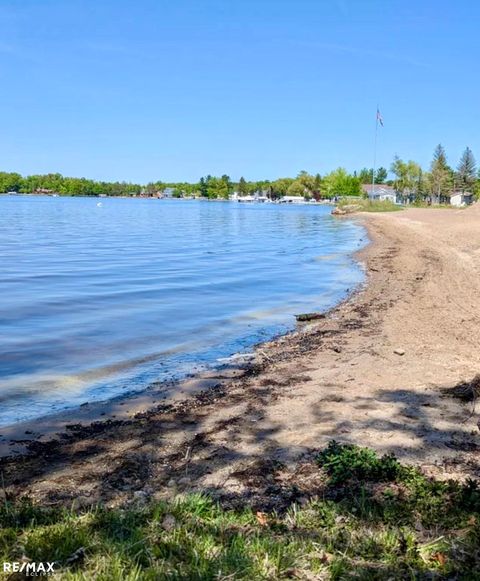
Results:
x,y
99,204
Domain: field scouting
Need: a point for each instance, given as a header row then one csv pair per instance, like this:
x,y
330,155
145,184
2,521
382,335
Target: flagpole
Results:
x,y
375,153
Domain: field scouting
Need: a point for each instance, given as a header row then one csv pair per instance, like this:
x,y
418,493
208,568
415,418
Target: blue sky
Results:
x,y
147,90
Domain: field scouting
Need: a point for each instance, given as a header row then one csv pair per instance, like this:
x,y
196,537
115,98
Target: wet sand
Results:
x,y
381,370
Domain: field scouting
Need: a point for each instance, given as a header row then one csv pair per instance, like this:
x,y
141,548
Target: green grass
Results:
x,y
366,205
376,519
420,204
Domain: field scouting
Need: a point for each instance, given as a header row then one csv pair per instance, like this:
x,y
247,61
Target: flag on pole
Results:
x,y
379,117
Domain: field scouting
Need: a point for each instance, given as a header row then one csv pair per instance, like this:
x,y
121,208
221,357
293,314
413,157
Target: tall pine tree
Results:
x,y
440,175
420,187
466,171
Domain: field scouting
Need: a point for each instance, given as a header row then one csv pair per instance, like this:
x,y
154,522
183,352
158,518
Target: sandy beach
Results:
x,y
382,370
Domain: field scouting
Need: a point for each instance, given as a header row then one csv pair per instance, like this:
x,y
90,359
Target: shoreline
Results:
x,y
375,371
16,438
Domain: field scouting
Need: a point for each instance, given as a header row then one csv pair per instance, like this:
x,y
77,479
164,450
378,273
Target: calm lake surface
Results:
x,y
100,300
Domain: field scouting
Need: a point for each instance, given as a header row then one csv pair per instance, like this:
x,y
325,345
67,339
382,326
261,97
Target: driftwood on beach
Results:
x,y
309,316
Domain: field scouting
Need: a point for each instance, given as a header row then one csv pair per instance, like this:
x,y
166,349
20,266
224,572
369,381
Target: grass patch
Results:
x,y
376,519
444,206
367,205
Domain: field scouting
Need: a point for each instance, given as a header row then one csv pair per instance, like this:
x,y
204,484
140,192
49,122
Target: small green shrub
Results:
x,y
346,461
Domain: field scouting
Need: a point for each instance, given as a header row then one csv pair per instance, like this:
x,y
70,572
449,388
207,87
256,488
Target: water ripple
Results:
x,y
97,301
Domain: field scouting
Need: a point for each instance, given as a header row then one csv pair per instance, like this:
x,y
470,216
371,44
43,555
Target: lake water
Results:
x,y
100,300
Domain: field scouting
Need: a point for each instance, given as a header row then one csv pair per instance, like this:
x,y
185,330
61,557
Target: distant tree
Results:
x,y
440,157
213,187
260,186
296,188
420,187
153,187
203,187
340,183
10,182
242,187
228,186
317,186
304,185
217,187
381,175
365,175
280,187
440,178
406,178
307,181
398,168
466,175
189,189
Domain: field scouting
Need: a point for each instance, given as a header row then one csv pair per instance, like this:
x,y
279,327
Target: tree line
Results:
x,y
336,183
58,184
409,181
435,186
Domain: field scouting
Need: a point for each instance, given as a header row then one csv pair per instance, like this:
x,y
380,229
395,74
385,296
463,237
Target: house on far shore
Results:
x,y
461,198
292,200
43,191
244,199
168,193
258,196
380,192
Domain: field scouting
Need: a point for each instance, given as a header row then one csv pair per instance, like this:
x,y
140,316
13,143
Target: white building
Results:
x,y
257,197
167,192
461,198
380,192
292,200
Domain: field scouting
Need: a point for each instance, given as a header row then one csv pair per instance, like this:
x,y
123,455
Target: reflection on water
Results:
x,y
99,300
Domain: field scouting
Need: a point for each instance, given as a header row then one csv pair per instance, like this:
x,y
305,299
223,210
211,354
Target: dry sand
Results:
x,y
340,378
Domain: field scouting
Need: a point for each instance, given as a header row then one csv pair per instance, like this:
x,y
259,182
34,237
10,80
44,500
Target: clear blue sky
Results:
x,y
154,89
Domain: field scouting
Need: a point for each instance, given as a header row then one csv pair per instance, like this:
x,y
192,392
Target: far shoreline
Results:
x,y
311,202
